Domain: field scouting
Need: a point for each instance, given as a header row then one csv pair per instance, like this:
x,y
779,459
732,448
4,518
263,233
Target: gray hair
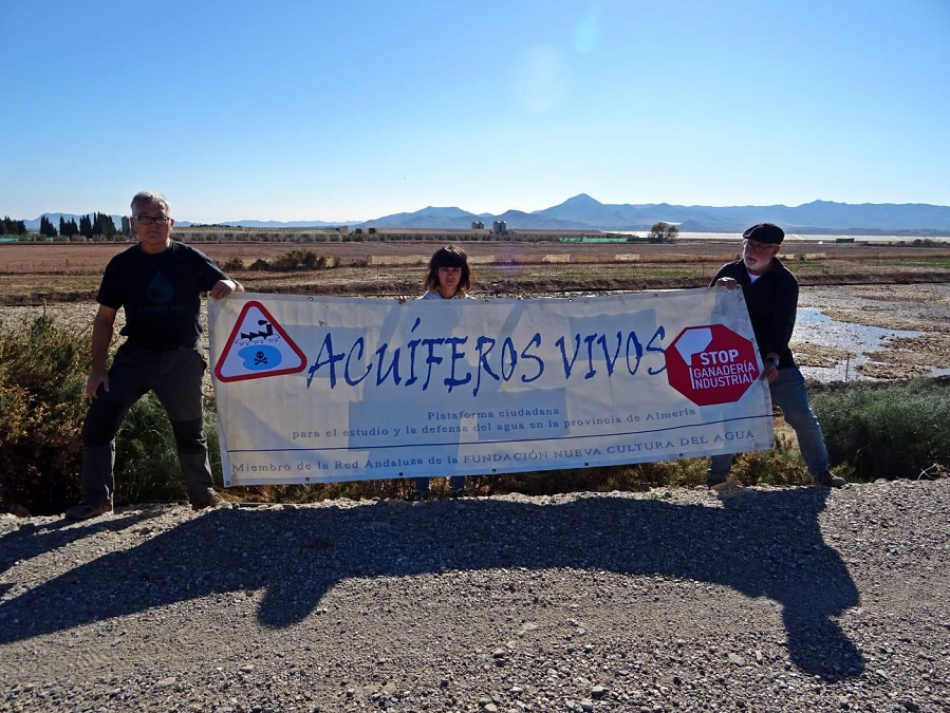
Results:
x,y
153,198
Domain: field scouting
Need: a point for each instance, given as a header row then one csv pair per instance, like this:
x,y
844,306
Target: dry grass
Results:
x,y
91,258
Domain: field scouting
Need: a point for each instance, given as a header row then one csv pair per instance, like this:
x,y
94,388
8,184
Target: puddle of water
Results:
x,y
812,326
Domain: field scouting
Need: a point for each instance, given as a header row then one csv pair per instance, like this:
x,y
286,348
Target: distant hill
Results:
x,y
458,219
280,224
428,217
582,212
532,221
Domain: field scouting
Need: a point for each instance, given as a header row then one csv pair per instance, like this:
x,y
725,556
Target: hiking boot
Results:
x,y
727,487
87,511
419,491
213,500
456,486
827,479
712,481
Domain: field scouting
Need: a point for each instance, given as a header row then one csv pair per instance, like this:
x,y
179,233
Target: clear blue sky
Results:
x,y
338,111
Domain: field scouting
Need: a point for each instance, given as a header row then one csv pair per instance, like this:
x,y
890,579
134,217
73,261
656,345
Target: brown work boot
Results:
x,y
212,500
827,479
87,511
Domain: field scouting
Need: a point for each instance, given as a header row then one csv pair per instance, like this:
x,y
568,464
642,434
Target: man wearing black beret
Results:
x,y
771,295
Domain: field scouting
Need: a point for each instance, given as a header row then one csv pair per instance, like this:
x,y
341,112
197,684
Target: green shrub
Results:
x,y
43,371
299,259
892,432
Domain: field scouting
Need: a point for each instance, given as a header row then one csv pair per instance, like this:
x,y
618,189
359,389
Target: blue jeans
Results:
x,y
456,486
788,393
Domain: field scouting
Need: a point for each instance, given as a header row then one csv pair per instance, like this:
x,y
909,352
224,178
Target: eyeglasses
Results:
x,y
757,248
148,219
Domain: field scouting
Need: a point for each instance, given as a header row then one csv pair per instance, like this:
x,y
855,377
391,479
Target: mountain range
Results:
x,y
585,213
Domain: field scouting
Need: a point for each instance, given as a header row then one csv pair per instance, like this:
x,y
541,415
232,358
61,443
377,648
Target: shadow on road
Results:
x,y
32,540
761,544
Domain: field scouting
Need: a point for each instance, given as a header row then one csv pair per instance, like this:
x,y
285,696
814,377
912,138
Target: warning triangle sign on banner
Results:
x,y
258,347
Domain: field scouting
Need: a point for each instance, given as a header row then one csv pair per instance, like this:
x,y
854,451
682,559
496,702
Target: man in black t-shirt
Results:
x,y
771,295
158,283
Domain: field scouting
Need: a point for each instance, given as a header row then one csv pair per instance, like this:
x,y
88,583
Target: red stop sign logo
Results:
x,y
711,365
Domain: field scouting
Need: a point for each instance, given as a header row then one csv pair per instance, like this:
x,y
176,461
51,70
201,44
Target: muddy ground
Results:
x,y
916,316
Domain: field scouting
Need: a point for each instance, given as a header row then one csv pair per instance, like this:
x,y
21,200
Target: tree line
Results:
x,y
9,226
92,225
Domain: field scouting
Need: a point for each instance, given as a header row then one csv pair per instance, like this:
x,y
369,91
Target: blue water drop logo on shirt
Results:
x,y
260,357
160,290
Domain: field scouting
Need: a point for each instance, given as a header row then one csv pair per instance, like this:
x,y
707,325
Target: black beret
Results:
x,y
768,233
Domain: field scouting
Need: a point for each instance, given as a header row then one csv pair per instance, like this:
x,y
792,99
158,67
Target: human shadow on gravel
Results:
x,y
760,543
31,540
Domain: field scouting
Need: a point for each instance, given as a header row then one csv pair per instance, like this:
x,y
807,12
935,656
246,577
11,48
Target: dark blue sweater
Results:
x,y
772,302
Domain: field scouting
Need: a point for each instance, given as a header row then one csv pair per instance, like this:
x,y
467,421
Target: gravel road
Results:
x,y
759,599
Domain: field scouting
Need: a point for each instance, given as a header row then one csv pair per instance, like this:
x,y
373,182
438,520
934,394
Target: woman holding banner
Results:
x,y
449,278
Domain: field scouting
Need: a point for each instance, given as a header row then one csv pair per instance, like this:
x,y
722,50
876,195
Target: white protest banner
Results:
x,y
316,390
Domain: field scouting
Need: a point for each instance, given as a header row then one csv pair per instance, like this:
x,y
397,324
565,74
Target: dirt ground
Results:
x,y
32,274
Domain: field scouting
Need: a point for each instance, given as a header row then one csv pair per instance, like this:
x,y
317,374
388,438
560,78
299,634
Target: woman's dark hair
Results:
x,y
449,256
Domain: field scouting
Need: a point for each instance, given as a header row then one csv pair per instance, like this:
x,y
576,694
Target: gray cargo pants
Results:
x,y
175,377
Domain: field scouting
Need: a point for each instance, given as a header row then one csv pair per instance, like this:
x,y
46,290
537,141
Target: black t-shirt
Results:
x,y
161,293
772,301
